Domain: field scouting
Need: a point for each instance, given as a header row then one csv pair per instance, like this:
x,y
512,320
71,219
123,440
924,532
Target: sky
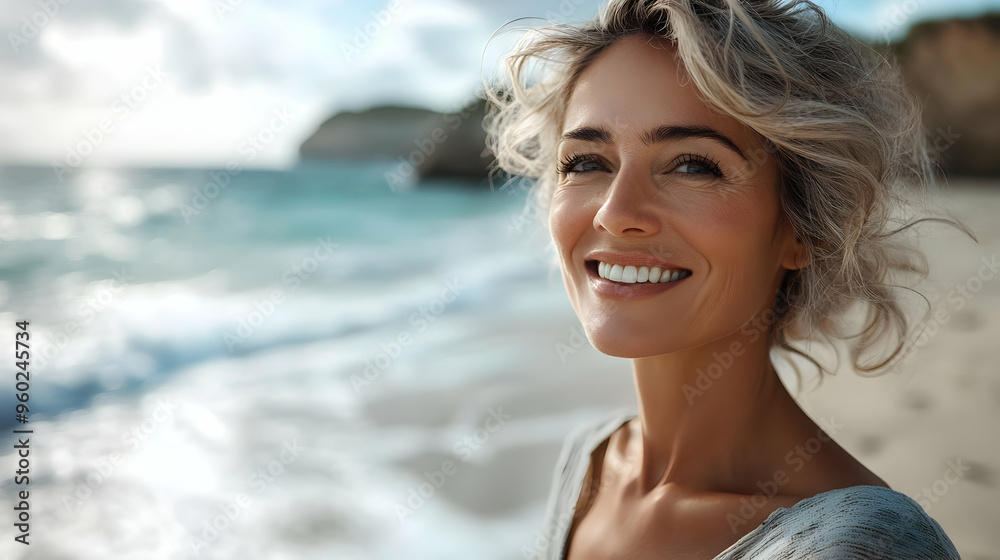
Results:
x,y
199,83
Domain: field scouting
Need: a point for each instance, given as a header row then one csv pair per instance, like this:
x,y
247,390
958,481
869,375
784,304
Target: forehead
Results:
x,y
637,83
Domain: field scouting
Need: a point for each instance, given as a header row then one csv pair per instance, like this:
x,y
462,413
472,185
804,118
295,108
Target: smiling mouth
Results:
x,y
636,274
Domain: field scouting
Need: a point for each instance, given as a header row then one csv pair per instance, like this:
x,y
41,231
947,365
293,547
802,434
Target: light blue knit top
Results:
x,y
846,523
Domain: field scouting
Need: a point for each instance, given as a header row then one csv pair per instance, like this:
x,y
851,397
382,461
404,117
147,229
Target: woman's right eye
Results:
x,y
580,164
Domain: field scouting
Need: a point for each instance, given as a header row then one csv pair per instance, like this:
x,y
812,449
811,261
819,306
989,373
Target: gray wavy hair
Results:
x,y
835,115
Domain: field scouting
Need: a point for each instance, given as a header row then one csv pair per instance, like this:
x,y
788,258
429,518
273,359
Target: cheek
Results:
x,y
737,240
567,221
734,221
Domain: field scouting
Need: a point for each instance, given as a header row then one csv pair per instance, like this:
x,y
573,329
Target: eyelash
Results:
x,y
566,165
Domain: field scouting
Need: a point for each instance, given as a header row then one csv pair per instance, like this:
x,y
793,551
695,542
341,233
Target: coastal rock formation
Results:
x,y
423,143
954,68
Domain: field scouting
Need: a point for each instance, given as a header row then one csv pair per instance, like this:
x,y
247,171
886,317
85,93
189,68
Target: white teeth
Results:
x,y
616,273
639,274
630,274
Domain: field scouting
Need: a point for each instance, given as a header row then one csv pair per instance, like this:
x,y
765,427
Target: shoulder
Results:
x,y
595,430
858,521
585,437
568,476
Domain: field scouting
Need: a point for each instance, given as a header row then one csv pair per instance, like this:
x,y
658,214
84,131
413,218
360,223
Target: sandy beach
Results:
x,y
929,428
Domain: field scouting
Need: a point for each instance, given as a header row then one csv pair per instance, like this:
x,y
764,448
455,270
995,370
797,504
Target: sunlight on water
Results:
x,y
274,373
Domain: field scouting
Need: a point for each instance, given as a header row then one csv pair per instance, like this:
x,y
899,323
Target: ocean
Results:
x,y
283,364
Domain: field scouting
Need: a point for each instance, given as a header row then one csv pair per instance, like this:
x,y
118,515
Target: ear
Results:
x,y
795,254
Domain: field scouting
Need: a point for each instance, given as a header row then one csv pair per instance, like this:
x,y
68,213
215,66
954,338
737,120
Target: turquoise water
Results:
x,y
296,353
69,247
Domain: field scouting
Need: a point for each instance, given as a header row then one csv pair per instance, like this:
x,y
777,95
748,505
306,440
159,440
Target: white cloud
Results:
x,y
227,72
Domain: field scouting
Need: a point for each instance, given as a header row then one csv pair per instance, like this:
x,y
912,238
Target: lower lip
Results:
x,y
620,290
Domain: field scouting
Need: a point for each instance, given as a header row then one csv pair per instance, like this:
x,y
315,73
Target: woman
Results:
x,y
720,180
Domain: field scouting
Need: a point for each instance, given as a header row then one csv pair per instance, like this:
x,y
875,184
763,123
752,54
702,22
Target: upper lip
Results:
x,y
631,259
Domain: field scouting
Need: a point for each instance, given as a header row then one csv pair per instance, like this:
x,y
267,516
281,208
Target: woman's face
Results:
x,y
652,180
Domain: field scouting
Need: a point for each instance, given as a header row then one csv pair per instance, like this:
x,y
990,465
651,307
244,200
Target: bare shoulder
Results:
x,y
817,463
839,469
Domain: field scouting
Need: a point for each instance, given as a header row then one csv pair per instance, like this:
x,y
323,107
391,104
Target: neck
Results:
x,y
707,413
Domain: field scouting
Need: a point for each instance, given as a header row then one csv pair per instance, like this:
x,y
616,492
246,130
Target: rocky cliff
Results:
x,y
954,68
423,143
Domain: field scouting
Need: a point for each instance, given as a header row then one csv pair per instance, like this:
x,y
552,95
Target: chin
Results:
x,y
622,344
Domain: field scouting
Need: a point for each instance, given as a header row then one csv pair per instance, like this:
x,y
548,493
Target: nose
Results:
x,y
627,209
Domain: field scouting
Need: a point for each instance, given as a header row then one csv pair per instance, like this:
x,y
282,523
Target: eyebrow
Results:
x,y
664,133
